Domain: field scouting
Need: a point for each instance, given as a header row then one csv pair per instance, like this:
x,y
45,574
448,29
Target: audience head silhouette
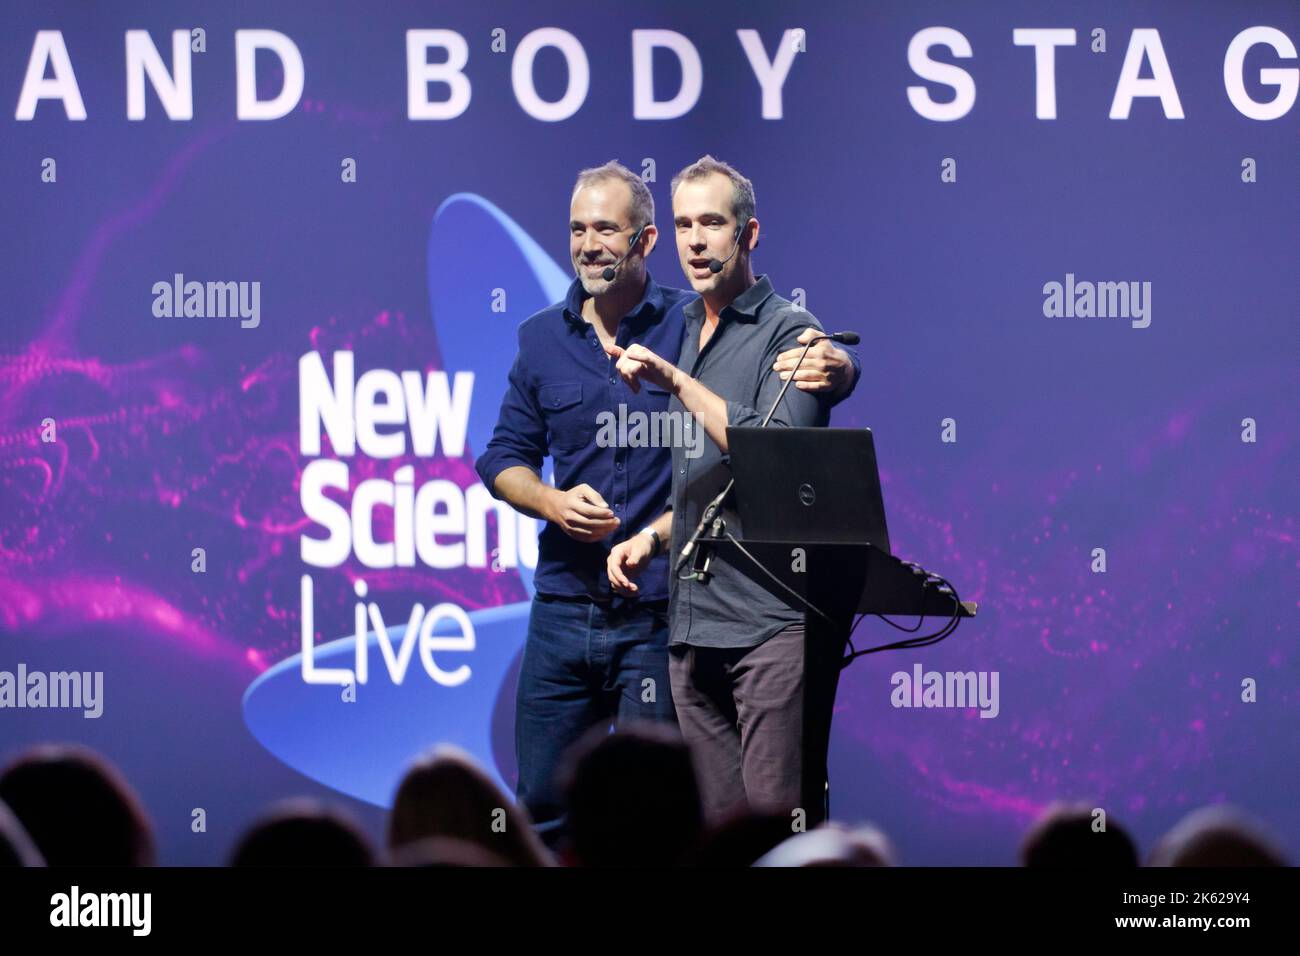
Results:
x,y
1068,835
444,852
77,809
632,798
446,794
1217,836
303,833
832,845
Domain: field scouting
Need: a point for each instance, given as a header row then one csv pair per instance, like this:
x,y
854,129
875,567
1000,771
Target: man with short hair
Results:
x,y
753,697
593,656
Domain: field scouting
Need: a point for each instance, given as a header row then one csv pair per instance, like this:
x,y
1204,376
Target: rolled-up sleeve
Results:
x,y
797,408
520,434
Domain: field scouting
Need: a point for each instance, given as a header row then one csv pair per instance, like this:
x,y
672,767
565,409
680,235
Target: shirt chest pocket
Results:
x,y
568,426
651,401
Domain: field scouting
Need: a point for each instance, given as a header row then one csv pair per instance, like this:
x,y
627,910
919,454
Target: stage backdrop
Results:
x,y
263,267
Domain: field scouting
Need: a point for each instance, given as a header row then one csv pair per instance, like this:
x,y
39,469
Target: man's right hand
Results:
x,y
626,560
582,513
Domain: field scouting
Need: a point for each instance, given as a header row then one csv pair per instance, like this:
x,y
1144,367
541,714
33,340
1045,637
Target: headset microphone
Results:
x,y
612,271
715,265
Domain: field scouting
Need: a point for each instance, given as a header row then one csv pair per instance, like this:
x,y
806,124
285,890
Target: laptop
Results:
x,y
808,485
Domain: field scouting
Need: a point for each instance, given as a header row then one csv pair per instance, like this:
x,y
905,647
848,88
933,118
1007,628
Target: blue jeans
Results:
x,y
584,665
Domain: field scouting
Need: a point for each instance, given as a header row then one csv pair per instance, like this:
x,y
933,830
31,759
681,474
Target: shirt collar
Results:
x,y
652,301
745,305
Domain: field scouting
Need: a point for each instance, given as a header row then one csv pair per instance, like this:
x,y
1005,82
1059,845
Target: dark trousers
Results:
x,y
584,665
758,719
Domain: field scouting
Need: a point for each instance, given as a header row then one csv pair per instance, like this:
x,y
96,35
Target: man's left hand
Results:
x,y
825,368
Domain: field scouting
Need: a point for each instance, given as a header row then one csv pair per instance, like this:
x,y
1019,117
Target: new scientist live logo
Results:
x,y
387,416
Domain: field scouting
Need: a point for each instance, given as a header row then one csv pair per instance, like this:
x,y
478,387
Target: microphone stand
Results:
x,y
712,517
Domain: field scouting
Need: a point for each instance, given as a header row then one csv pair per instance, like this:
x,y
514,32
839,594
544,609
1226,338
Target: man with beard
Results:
x,y
593,656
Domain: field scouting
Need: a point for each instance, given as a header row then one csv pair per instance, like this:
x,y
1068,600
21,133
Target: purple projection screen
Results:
x,y
261,309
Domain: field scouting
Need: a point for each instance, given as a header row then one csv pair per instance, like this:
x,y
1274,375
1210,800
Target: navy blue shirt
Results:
x,y
560,384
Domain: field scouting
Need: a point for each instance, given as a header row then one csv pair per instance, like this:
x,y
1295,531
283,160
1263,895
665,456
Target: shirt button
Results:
x,y
683,471
611,380
618,465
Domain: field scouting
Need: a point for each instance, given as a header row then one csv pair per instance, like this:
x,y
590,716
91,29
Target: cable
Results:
x,y
780,395
803,600
710,512
909,630
907,644
924,641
